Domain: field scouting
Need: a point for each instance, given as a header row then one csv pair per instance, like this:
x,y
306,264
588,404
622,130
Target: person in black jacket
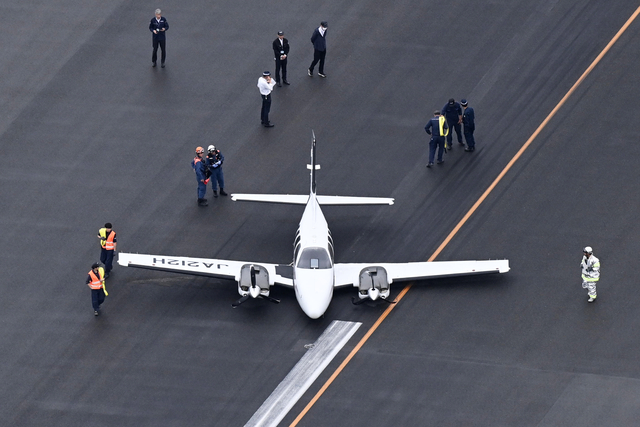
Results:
x,y
158,26
280,53
469,122
319,49
452,111
438,129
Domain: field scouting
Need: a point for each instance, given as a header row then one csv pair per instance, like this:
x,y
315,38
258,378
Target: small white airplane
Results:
x,y
313,274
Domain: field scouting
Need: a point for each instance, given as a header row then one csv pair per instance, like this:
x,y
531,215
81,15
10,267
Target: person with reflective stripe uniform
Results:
x,y
198,165
214,162
438,129
590,272
95,280
108,243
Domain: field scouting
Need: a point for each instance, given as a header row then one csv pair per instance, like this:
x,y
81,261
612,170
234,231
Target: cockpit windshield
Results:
x,y
314,258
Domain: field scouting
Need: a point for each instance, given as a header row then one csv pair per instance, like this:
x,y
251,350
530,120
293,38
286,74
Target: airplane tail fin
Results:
x,y
313,167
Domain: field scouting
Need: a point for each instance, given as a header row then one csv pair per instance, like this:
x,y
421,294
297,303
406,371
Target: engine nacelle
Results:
x,y
256,286
373,283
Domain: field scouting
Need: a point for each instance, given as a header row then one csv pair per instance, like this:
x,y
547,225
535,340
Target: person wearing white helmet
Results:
x,y
214,164
590,272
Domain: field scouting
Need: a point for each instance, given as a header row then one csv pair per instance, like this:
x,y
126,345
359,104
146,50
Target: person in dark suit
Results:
x,y
280,52
452,111
158,26
469,122
319,49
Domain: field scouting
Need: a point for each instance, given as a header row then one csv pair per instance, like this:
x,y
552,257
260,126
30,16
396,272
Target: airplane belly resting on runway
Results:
x,y
313,274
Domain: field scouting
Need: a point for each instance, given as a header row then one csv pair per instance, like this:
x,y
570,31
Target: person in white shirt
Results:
x,y
266,84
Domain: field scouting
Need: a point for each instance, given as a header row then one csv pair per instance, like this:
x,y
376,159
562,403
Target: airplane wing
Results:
x,y
299,199
349,274
223,269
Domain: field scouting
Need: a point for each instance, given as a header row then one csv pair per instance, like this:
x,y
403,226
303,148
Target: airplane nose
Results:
x,y
315,304
314,312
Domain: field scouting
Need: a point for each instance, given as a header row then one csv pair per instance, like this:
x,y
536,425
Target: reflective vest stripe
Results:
x,y
109,243
441,121
95,280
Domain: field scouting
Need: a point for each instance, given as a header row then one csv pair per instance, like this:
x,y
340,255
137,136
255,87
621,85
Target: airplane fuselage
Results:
x,y
313,268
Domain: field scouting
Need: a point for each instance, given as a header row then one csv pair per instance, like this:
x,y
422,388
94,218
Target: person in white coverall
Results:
x,y
590,272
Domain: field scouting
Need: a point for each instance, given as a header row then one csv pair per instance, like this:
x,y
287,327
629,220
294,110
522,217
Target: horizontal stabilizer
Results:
x,y
296,199
291,199
353,200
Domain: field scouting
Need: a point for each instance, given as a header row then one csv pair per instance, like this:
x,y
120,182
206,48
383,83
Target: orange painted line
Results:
x,y
457,228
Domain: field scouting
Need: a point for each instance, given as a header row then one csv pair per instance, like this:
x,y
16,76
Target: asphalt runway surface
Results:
x,y
91,133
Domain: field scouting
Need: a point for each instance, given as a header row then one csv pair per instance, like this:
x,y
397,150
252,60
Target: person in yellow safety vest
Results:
x,y
590,272
108,243
95,280
438,129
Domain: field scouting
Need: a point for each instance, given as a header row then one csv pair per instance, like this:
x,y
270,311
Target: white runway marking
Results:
x,y
278,404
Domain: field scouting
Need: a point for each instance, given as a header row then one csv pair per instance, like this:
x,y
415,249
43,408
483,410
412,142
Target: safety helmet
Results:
x,y
211,148
199,150
588,250
95,265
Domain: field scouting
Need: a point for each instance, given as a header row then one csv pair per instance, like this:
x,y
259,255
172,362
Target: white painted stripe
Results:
x,y
296,383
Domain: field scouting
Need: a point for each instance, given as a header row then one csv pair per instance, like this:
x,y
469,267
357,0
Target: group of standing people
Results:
x,y
207,169
442,125
98,274
454,116
281,53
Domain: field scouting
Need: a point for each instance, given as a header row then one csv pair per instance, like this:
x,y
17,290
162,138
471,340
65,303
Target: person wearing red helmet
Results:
x,y
199,167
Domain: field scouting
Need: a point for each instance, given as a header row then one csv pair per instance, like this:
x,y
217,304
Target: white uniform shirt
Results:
x,y
264,86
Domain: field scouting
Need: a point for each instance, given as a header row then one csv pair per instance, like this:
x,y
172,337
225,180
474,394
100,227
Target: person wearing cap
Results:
x,y
452,111
469,122
318,39
438,129
214,164
199,167
590,272
95,281
108,243
280,52
265,85
158,26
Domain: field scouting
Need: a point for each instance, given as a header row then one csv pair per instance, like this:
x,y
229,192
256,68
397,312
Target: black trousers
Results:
x,y
97,298
266,107
106,257
162,44
281,64
454,125
318,55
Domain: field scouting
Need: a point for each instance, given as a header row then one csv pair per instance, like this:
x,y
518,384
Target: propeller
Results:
x,y
254,291
240,301
371,274
360,301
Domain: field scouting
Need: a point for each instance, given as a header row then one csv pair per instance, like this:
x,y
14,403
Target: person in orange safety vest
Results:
x,y
95,281
108,243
